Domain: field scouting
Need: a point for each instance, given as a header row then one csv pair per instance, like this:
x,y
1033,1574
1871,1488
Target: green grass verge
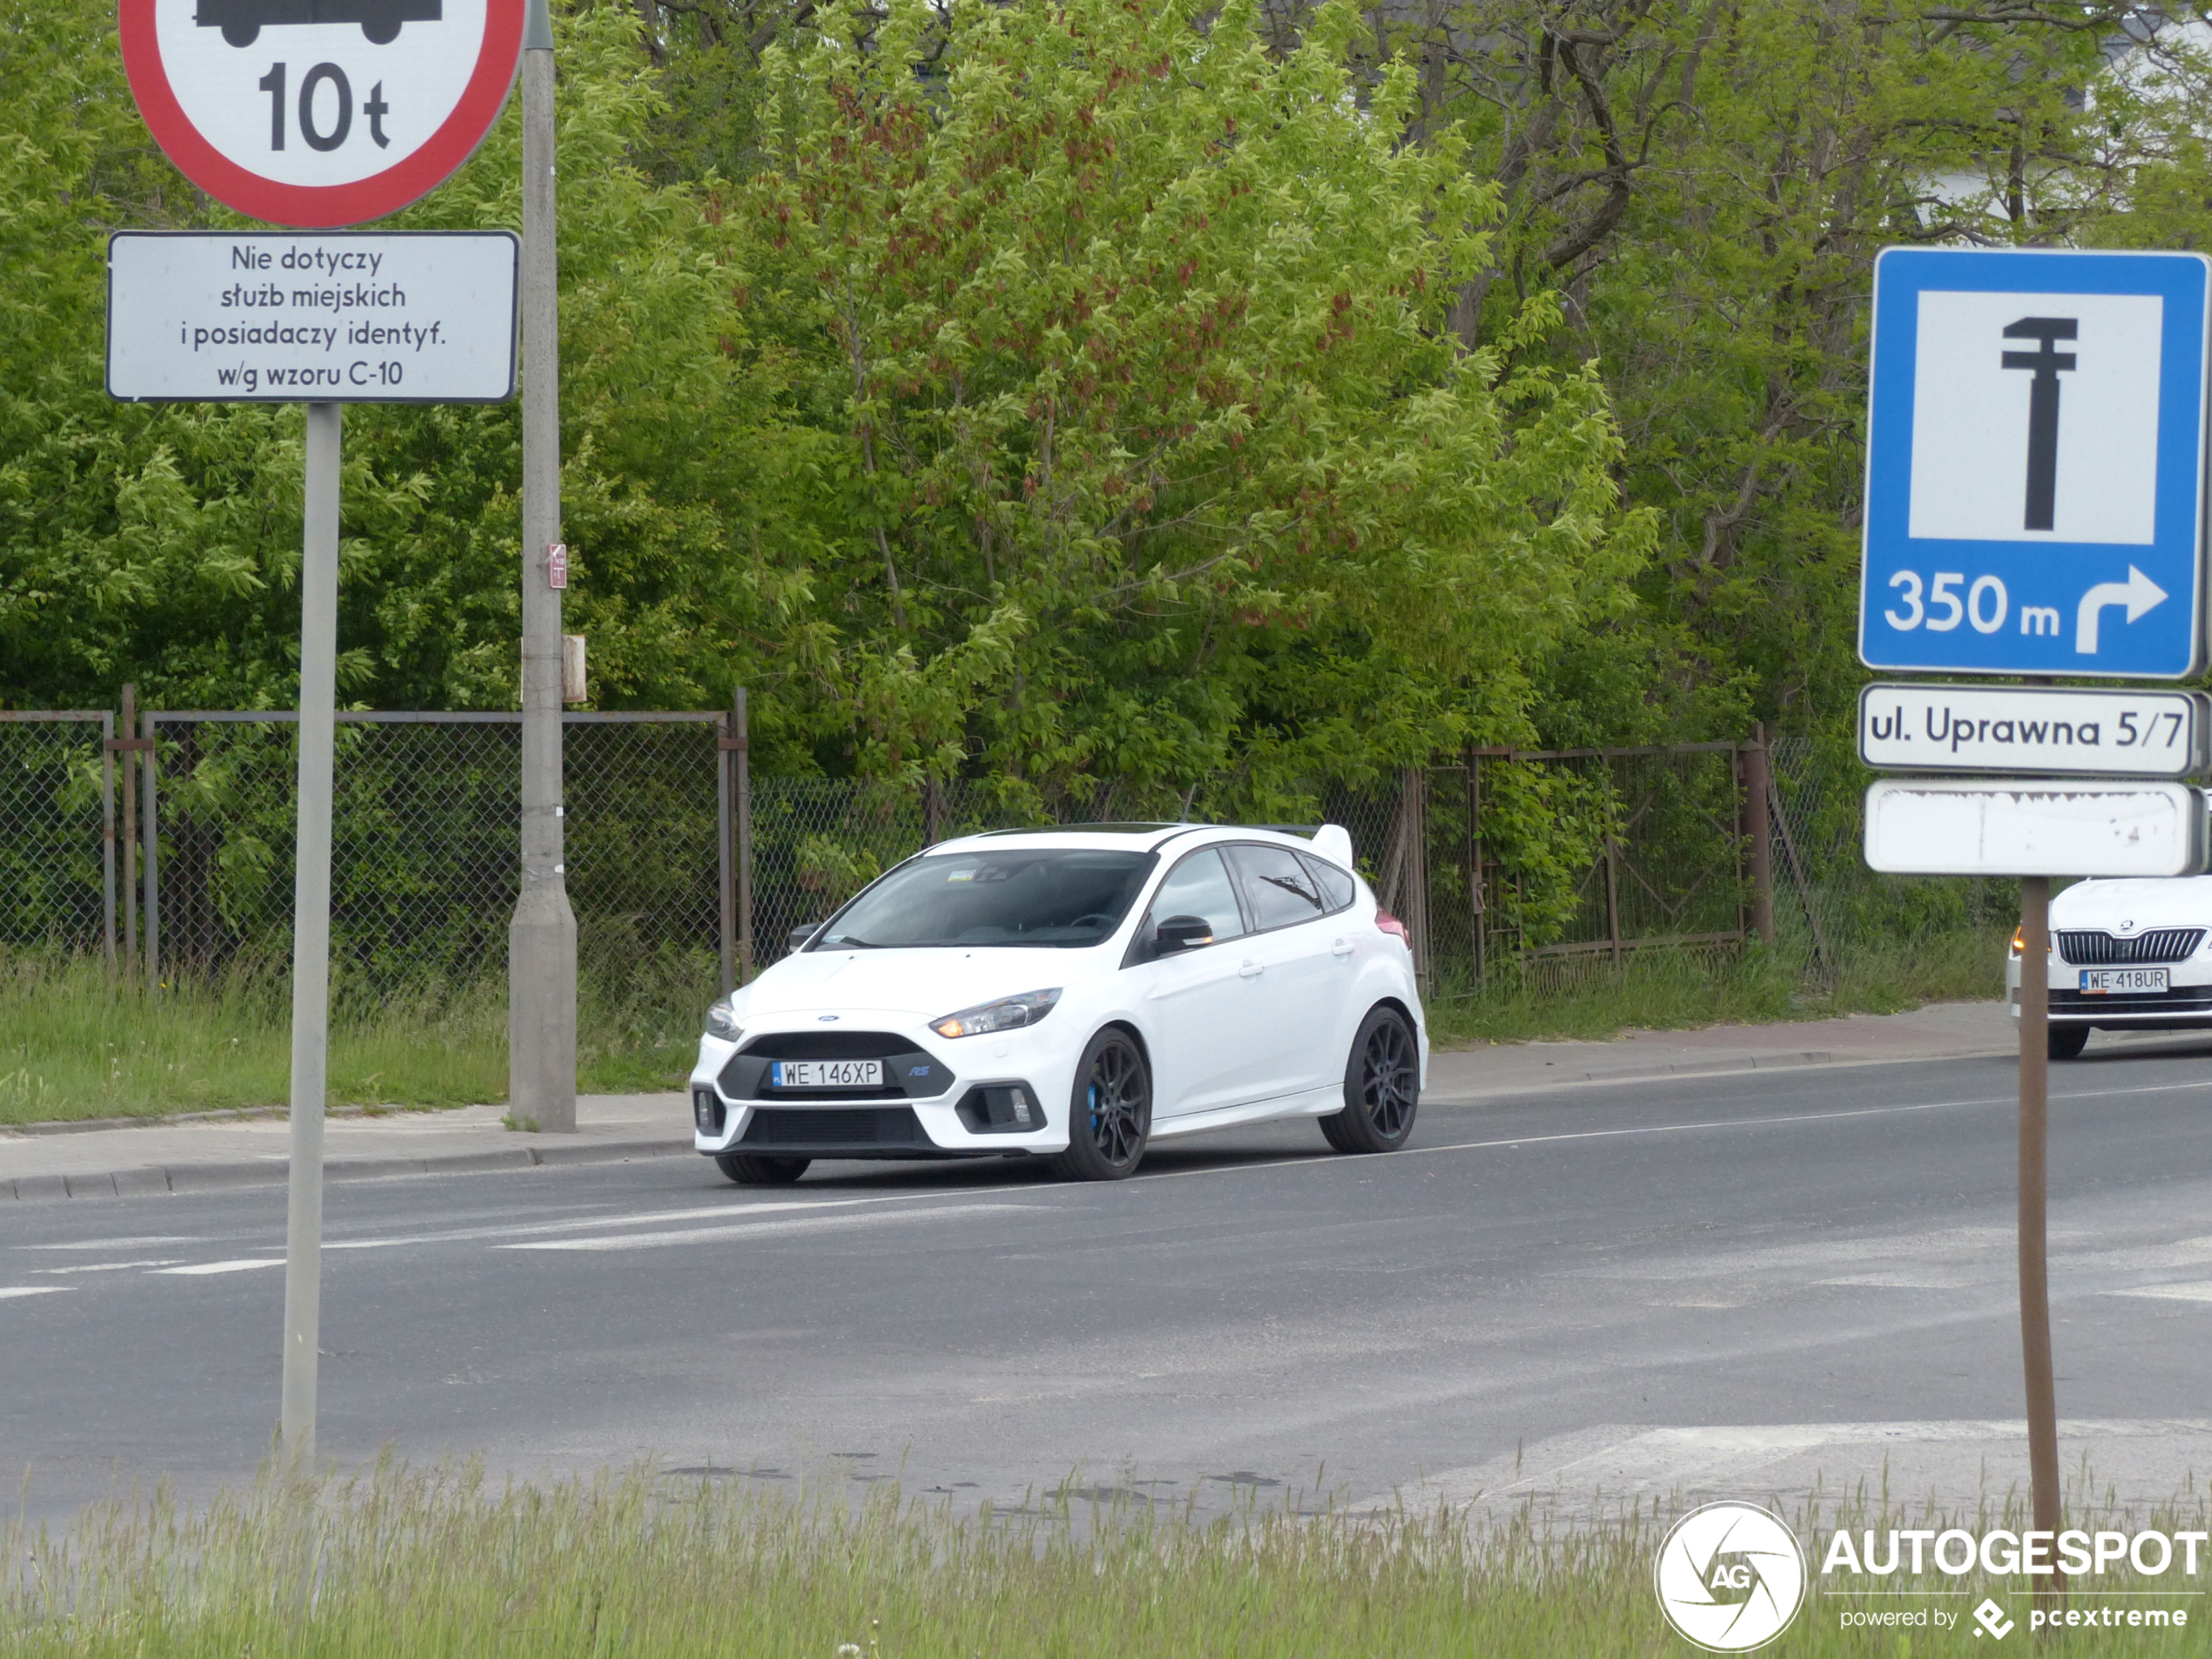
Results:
x,y
406,1566
1674,990
73,1047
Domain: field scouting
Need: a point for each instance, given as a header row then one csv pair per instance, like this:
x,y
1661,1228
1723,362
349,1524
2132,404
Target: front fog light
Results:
x,y
722,1021
1005,1014
706,1110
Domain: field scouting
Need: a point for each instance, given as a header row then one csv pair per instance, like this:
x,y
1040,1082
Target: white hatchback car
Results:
x,y
2125,955
1076,993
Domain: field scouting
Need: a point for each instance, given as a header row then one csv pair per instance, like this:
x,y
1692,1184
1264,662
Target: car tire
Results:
x,y
749,1171
1382,1087
1109,1112
2065,1041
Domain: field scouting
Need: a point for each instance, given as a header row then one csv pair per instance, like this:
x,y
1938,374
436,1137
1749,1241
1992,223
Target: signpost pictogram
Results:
x,y
2035,463
312,113
2035,507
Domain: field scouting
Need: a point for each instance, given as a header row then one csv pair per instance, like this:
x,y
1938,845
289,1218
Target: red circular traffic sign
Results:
x,y
314,113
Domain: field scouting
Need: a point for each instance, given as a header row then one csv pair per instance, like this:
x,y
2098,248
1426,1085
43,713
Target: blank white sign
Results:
x,y
2033,827
1970,419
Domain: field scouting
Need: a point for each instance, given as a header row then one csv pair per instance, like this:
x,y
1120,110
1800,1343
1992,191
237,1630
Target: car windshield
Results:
x,y
1061,897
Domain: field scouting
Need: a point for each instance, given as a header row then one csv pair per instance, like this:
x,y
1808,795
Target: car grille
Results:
x,y
835,1126
908,1073
2087,949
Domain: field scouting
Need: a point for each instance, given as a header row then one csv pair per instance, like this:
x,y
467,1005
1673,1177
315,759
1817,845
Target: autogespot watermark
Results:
x,y
1730,1577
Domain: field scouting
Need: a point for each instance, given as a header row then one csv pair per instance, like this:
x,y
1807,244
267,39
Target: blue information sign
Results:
x,y
2035,460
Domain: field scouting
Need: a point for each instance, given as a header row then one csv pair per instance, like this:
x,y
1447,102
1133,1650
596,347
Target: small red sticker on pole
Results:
x,y
556,564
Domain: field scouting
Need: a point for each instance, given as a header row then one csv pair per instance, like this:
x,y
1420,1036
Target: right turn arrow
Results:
x,y
2139,593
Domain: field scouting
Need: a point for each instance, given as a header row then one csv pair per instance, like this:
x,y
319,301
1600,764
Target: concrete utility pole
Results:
x,y
311,935
541,942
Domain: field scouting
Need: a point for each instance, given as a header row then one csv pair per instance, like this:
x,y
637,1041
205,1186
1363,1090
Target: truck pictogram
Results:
x,y
242,21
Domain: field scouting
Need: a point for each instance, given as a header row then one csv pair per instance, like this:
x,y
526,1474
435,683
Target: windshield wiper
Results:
x,y
846,941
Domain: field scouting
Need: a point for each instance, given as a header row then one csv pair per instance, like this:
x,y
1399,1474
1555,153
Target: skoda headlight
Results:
x,y
1005,1014
722,1021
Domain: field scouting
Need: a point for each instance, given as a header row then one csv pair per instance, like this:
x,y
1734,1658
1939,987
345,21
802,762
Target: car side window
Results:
x,y
1280,890
1199,887
1338,888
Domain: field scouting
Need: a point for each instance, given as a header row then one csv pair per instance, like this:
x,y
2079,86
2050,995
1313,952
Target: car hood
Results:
x,y
924,982
2170,901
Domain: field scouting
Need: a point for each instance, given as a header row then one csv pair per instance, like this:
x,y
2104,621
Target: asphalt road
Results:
x,y
1252,1315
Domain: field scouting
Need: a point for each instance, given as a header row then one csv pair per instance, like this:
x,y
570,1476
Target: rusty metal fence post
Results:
x,y
1757,833
725,862
743,751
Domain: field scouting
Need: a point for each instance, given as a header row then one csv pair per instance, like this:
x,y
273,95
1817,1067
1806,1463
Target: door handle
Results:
x,y
1251,970
1342,948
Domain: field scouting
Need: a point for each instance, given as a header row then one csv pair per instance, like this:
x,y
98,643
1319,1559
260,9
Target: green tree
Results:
x,y
1148,453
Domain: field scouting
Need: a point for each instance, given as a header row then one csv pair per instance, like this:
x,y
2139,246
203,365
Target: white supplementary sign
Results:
x,y
2033,827
2034,730
349,316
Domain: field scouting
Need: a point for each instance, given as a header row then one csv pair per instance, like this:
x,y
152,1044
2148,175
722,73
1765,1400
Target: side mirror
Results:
x,y
801,933
1183,933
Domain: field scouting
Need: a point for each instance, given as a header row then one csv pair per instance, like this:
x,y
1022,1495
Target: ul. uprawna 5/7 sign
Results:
x,y
2035,463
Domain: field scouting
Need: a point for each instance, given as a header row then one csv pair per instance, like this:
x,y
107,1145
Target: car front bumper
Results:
x,y
2186,1002
995,1096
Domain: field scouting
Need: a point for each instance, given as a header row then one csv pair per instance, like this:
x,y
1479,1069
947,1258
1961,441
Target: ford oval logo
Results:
x,y
826,1018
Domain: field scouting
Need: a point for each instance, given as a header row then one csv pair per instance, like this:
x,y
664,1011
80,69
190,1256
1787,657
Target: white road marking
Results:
x,y
2199,1292
201,1269
122,1243
640,1218
109,1267
10,1290
761,1229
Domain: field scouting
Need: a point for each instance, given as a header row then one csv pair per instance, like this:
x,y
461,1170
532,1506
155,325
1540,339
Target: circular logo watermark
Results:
x,y
1729,1576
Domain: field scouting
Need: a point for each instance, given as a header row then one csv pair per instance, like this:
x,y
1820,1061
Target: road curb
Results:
x,y
271,1172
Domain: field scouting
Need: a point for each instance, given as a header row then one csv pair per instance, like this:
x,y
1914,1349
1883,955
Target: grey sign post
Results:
x,y
277,318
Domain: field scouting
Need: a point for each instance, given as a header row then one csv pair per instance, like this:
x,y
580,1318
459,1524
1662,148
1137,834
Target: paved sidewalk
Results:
x,y
235,1152
1939,1031
53,1162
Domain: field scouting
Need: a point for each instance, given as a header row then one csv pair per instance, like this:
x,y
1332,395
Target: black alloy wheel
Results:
x,y
749,1171
1109,1118
2065,1041
1382,1087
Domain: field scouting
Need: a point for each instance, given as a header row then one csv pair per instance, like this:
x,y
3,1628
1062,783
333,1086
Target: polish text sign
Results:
x,y
2035,462
292,317
2033,729
314,113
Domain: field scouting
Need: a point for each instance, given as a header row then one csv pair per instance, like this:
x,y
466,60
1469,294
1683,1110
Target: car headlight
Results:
x,y
1005,1014
722,1021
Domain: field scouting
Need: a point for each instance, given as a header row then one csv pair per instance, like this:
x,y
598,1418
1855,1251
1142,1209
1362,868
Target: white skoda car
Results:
x,y
1075,994
2129,954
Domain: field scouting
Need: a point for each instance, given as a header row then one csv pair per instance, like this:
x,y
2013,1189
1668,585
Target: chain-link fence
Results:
x,y
426,822
58,831
1826,899
1545,865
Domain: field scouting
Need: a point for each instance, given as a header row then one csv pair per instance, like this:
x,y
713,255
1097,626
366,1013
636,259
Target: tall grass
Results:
x,y
395,1564
72,1046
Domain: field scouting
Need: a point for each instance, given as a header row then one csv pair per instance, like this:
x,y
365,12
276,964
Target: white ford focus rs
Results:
x,y
1075,994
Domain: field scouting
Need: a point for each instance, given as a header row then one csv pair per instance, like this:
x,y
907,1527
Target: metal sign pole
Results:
x,y
311,934
2036,1294
541,1020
